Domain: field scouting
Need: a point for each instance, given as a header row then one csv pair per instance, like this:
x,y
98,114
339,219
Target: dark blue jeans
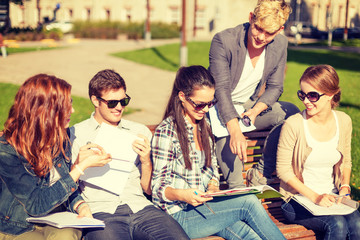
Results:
x,y
332,226
149,223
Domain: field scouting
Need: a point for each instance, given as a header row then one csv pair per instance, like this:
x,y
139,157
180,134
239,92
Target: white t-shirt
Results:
x,y
318,167
250,78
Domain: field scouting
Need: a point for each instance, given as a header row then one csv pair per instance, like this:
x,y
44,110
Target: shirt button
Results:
x,y
59,165
73,189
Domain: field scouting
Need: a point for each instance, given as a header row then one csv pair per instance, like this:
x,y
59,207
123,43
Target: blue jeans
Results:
x,y
333,226
149,223
236,217
231,165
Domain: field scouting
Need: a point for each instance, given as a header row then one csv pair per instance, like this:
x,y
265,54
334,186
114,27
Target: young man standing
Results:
x,y
248,65
129,215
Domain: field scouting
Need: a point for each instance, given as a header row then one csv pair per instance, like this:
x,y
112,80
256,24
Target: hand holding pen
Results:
x,y
339,197
196,193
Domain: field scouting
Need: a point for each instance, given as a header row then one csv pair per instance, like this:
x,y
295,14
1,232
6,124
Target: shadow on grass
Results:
x,y
355,193
339,60
349,105
162,57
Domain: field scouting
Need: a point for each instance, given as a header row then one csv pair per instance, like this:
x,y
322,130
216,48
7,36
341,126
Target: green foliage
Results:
x,y
133,30
32,34
346,65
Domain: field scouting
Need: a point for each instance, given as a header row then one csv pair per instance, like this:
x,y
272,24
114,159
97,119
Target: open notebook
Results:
x,y
346,206
262,191
67,219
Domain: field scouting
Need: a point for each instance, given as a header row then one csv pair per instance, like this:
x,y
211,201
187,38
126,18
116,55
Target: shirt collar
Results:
x,y
94,125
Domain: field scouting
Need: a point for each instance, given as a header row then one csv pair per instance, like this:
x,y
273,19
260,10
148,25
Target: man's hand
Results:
x,y
238,143
142,147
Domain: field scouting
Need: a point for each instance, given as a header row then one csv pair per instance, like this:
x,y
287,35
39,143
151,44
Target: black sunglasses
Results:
x,y
246,121
312,96
113,103
200,106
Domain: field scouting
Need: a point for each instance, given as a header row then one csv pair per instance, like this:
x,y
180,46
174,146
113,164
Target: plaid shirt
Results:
x,y
169,166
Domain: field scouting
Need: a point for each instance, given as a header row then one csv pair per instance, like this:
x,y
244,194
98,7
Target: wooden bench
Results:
x,y
256,142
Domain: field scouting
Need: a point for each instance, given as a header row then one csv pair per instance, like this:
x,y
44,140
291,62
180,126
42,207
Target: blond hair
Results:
x,y
271,15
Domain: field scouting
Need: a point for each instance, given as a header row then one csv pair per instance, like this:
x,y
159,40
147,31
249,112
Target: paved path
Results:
x,y
148,87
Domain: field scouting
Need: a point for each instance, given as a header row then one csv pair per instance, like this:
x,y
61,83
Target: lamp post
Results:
x,y
183,47
346,20
147,28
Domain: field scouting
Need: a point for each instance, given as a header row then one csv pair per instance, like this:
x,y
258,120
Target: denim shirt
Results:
x,y
24,194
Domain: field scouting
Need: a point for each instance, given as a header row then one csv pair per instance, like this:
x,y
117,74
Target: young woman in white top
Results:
x,y
314,156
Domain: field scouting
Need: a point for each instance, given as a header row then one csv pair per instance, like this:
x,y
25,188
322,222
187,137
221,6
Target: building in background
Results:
x,y
204,18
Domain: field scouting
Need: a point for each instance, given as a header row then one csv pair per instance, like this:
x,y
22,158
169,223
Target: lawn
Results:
x,y
82,106
10,50
346,64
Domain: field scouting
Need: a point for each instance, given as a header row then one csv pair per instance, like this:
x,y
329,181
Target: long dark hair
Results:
x,y
187,80
36,126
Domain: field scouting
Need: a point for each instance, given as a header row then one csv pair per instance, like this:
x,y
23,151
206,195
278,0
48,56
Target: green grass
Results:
x,y
346,64
27,49
167,56
83,107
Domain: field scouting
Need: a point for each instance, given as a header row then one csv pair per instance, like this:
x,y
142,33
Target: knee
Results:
x,y
289,109
337,228
65,233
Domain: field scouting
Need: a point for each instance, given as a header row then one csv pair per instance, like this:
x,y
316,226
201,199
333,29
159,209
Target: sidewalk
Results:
x,y
77,63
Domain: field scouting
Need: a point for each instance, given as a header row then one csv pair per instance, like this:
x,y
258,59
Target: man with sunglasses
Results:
x,y
248,65
129,215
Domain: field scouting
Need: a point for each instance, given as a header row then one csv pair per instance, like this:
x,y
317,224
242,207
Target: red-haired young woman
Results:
x,y
35,161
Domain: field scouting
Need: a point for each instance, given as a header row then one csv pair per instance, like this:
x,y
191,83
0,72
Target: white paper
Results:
x,y
316,210
118,143
220,130
67,219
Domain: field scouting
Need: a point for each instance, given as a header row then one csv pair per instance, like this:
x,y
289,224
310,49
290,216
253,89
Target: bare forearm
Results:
x,y
146,172
303,189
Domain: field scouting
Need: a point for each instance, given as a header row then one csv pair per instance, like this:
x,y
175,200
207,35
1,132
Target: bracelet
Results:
x,y
78,206
345,185
79,169
213,182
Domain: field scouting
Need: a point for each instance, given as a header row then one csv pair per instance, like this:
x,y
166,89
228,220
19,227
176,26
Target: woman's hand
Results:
x,y
212,188
194,197
343,192
92,155
325,200
84,211
142,147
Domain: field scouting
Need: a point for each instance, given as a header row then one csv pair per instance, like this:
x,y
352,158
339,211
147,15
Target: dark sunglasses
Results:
x,y
113,103
312,96
200,106
246,121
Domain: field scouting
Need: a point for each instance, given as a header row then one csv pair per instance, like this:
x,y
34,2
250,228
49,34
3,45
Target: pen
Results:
x,y
206,204
342,195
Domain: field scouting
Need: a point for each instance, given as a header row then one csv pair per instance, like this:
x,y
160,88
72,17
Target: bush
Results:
x,y
32,34
111,30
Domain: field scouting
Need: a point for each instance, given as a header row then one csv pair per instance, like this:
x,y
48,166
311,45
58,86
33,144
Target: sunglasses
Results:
x,y
246,121
312,96
200,106
113,103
